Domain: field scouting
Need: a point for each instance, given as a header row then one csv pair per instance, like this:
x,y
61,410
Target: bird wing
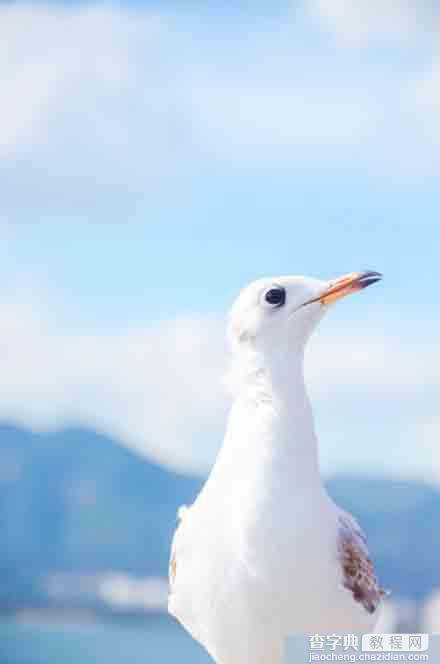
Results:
x,y
357,568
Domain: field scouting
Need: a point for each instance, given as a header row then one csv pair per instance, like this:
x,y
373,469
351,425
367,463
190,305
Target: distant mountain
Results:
x,y
78,501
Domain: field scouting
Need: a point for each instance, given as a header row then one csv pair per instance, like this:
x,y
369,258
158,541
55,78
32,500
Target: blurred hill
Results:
x,y
78,501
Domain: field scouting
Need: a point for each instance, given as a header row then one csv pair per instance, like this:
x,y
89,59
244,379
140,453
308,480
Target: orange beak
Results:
x,y
349,283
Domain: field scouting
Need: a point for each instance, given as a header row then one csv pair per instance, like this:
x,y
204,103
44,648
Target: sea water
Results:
x,y
156,640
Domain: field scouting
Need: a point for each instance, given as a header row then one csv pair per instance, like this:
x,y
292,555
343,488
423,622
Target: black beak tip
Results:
x,y
369,277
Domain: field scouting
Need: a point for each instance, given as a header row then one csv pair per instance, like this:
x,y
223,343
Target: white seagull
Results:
x,y
264,552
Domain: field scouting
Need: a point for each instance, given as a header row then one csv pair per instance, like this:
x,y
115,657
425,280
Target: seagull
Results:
x,y
264,552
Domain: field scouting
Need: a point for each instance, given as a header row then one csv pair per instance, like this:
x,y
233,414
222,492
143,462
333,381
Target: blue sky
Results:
x,y
157,258
155,157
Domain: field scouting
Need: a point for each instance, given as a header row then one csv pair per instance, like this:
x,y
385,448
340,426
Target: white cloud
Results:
x,y
102,99
159,389
367,22
243,119
88,99
376,395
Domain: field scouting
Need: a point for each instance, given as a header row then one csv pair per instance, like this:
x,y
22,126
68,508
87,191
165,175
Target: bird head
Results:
x,y
281,312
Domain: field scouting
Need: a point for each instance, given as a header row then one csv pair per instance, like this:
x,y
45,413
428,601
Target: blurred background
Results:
x,y
155,157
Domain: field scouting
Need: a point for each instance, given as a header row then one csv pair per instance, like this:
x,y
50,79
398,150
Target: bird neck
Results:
x,y
272,403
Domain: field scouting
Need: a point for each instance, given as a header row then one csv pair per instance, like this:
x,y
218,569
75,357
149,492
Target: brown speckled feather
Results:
x,y
357,569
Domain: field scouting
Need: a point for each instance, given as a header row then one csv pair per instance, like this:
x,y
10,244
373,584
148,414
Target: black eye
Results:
x,y
276,296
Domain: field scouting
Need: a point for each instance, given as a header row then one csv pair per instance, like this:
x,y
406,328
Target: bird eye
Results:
x,y
275,296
